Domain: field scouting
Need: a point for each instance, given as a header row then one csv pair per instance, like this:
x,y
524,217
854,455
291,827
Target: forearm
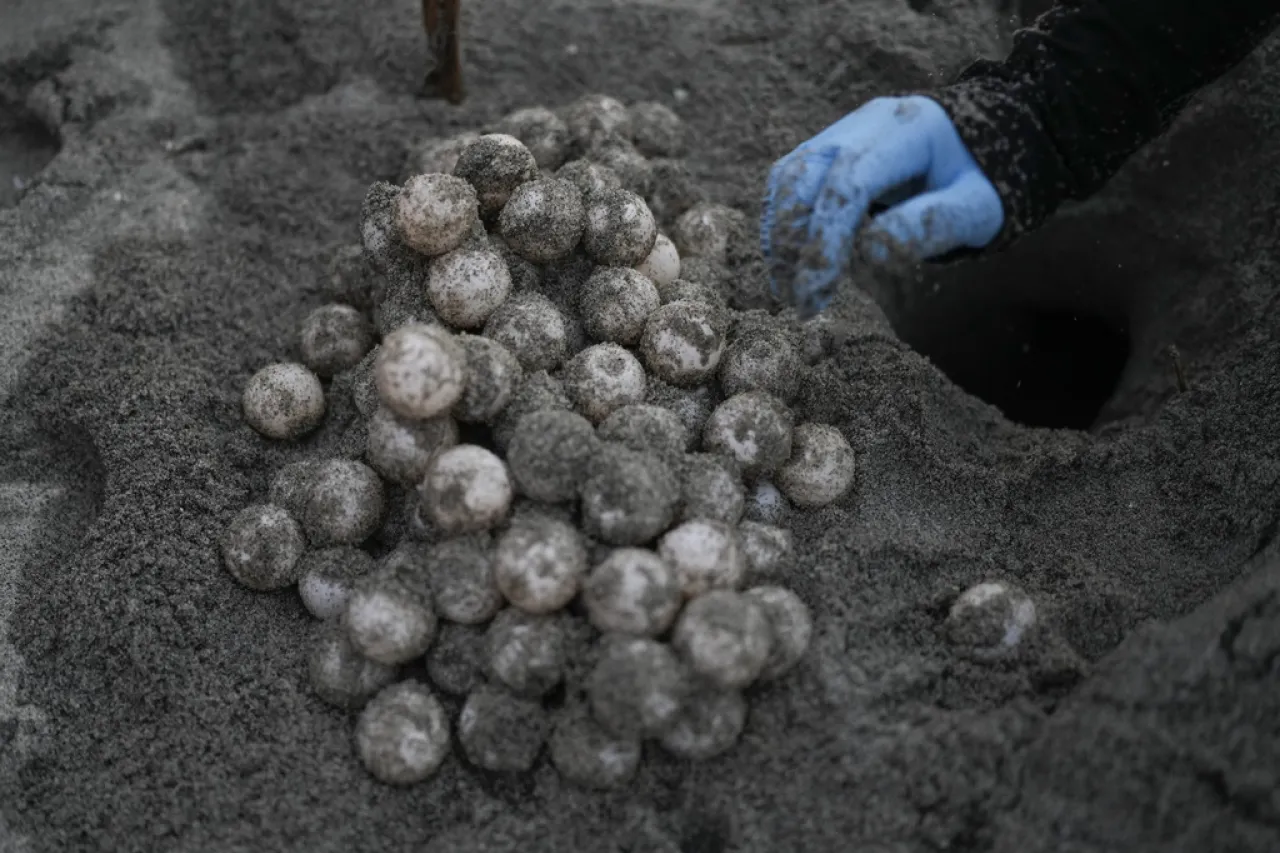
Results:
x,y
1088,85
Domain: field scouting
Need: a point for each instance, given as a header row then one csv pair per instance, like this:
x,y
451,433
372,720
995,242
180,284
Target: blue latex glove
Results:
x,y
818,196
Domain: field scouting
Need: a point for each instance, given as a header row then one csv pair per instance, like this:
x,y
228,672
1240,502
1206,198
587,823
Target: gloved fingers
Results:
x,y
792,186
855,179
965,214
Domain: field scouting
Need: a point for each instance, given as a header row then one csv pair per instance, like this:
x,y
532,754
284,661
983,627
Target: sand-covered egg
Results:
x,y
588,755
390,617
754,429
629,497
602,379
462,580
493,374
533,329
637,686
589,177
726,638
991,617
683,342
400,449
420,371
761,361
283,401
495,164
709,724
544,133
502,732
544,219
402,734
706,555
821,466
339,674
345,503
634,591
712,489
434,213
327,577
549,453
707,230
620,229
466,489
656,130
334,338
526,652
262,547
467,285
791,628
594,117
615,303
437,156
539,564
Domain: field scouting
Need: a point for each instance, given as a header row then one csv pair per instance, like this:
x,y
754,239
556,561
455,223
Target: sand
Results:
x,y
212,151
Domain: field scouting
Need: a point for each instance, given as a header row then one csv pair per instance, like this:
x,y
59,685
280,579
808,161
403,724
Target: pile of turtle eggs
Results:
x,y
593,444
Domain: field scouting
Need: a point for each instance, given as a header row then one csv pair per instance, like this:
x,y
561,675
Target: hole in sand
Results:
x,y
1041,332
26,147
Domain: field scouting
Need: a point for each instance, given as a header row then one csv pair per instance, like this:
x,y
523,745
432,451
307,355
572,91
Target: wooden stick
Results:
x,y
442,19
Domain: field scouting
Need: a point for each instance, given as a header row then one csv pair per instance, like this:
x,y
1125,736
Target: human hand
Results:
x,y
817,197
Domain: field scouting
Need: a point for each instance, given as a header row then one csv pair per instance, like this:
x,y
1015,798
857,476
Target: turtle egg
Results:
x,y
345,503
991,617
589,756
543,132
754,429
434,213
761,362
709,724
766,548
637,686
603,378
389,620
334,338
620,228
283,401
712,489
539,391
657,131
327,578
539,564
466,489
549,453
402,735
726,638
455,662
646,428
821,466
466,286
340,675
707,231
533,329
766,504
462,581
262,547
683,342
544,220
629,497
633,591
495,164
791,628
615,302
526,653
502,732
662,266
590,178
291,483
706,555
493,374
621,157
420,371
594,117
400,449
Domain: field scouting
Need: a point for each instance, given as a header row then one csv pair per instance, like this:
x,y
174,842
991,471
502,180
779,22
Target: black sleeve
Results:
x,y
1086,86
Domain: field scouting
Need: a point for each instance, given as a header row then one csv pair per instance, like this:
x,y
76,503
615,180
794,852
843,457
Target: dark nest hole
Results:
x,y
26,147
1042,332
